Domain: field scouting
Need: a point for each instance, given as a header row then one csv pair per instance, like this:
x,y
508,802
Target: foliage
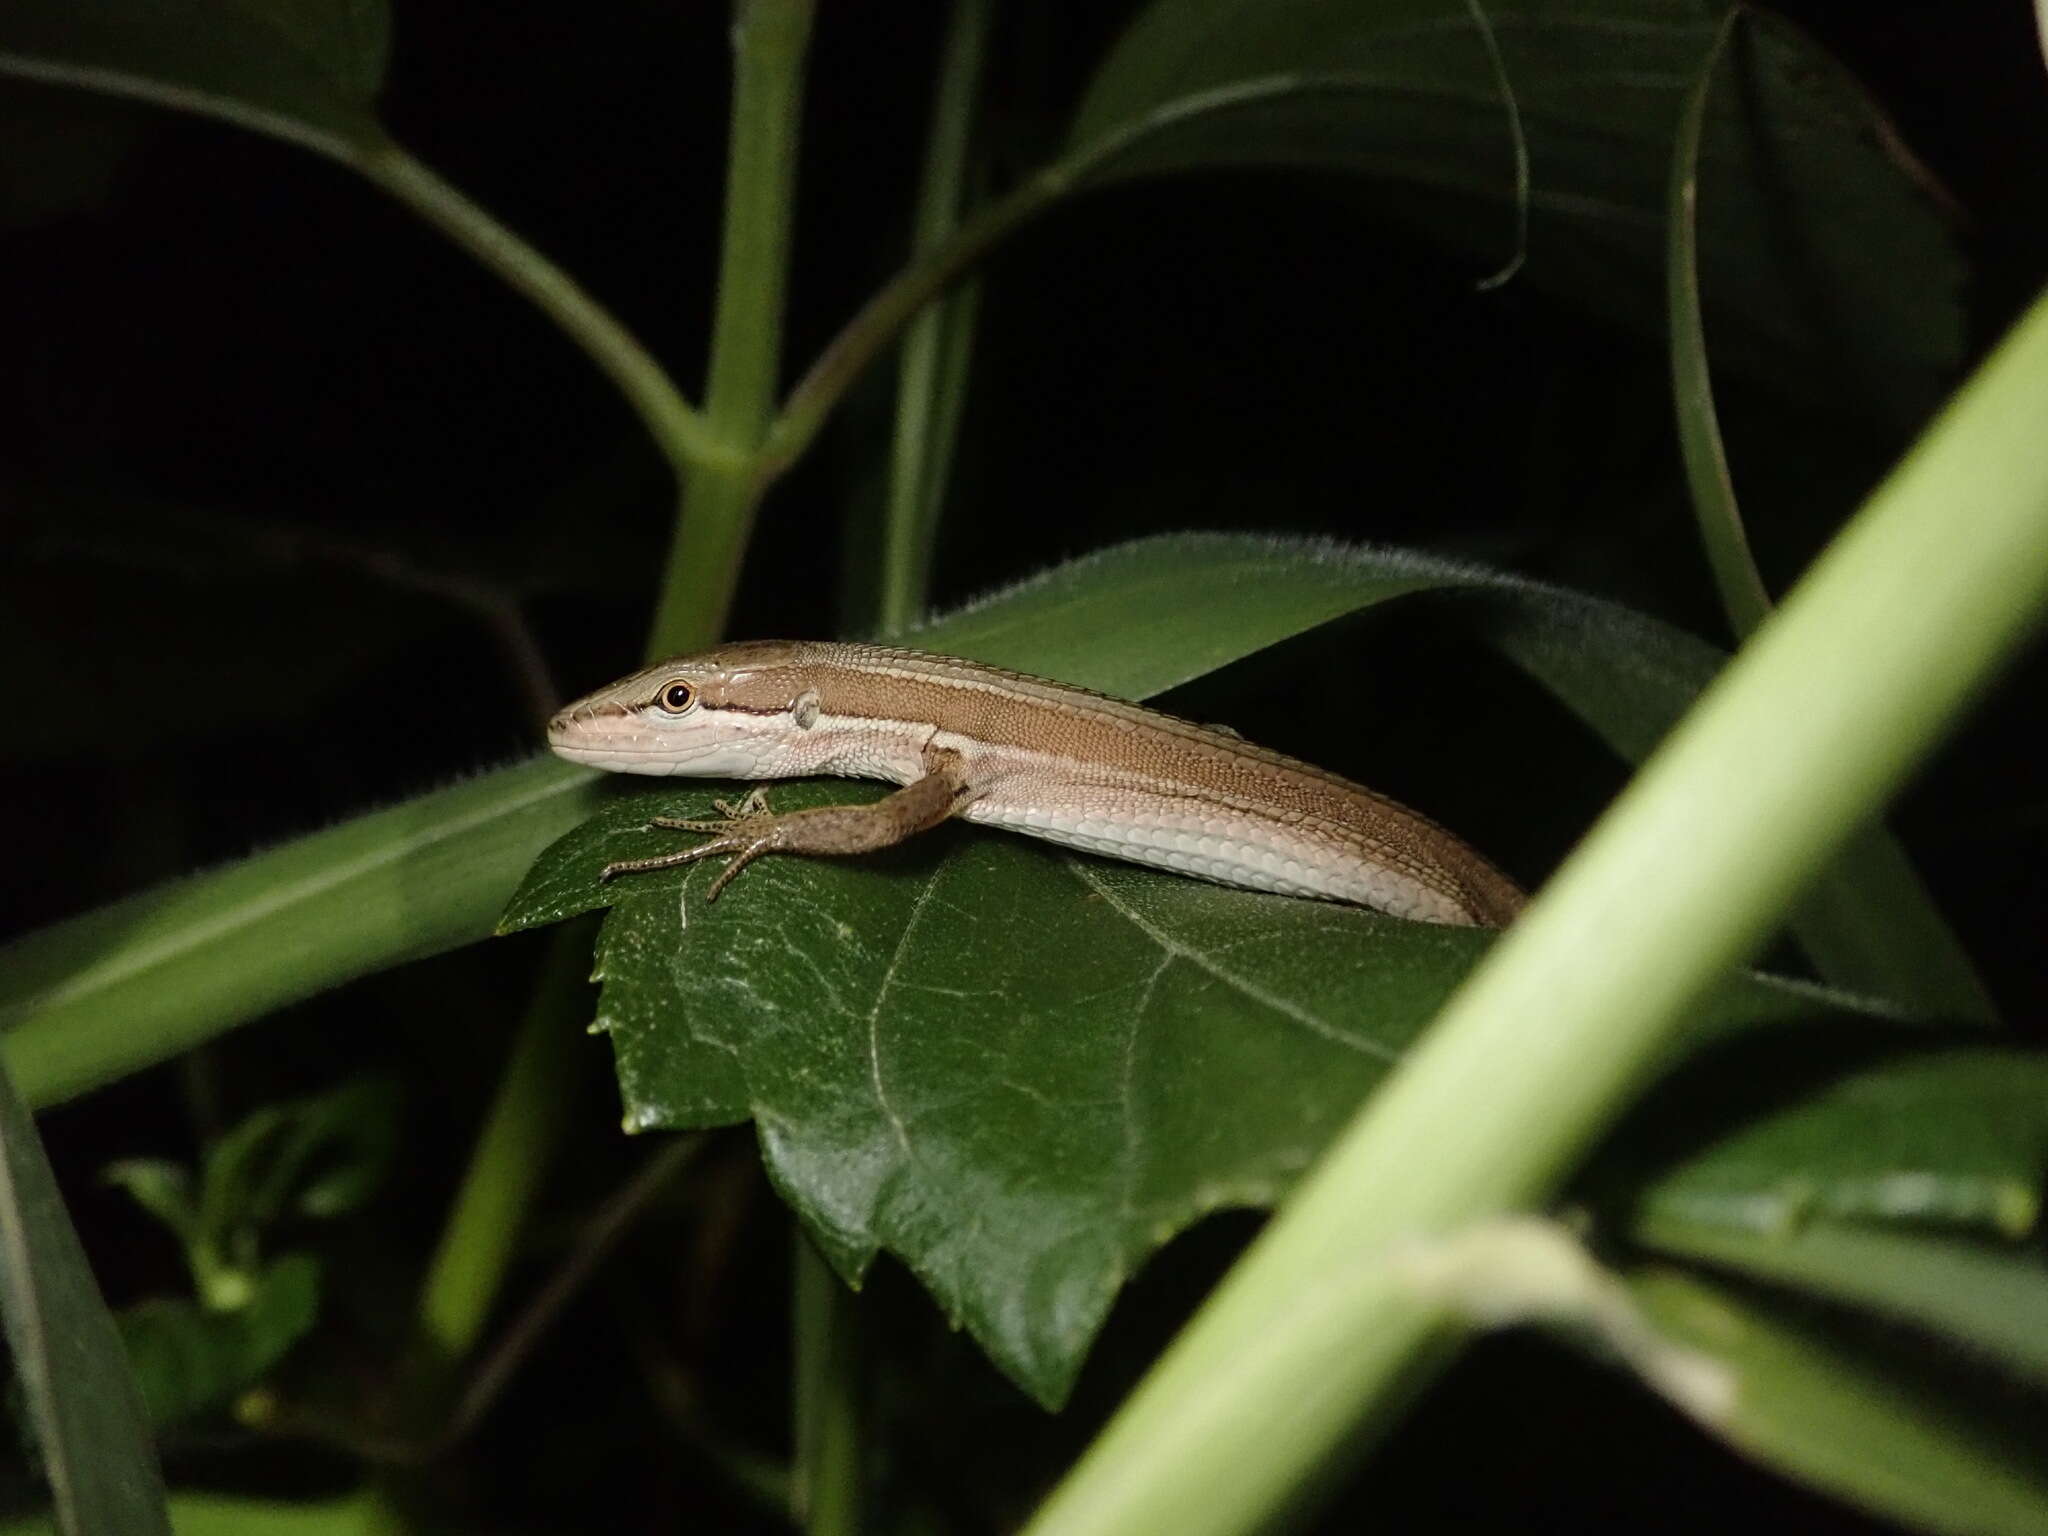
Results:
x,y
316,1158
78,1400
1804,1211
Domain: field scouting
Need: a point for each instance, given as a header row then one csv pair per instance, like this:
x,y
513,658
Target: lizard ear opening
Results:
x,y
805,711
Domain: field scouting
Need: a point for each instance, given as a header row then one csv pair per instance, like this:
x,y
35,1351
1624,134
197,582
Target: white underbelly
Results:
x,y
1216,843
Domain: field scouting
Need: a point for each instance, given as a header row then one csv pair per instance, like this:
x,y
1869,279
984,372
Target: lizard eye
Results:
x,y
676,697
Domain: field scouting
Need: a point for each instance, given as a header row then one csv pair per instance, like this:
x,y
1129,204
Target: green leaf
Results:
x,y
1800,175
190,1359
320,1156
304,70
1802,178
215,1514
162,1188
80,1397
1900,1184
134,983
1842,1420
1992,1300
139,981
1021,1070
1955,1137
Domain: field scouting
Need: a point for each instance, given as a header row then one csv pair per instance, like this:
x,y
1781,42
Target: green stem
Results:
x,y
825,1493
720,484
678,429
594,1244
1743,595
524,1124
520,1132
810,404
864,337
926,397
1518,138
1897,626
1870,926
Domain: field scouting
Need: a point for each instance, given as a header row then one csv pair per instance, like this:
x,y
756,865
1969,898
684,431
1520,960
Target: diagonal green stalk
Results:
x,y
1897,626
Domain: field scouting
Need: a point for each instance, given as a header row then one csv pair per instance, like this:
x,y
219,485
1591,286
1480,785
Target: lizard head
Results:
x,y
722,713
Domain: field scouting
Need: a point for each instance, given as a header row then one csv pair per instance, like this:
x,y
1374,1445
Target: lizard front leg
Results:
x,y
828,831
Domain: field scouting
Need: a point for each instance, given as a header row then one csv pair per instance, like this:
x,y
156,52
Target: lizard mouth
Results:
x,y
580,720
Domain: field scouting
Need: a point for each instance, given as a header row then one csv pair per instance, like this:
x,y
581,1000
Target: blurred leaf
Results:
x,y
143,979
1954,1137
215,1514
80,1397
318,1156
1801,178
1841,1420
342,1149
1992,1300
1022,1070
162,1188
303,70
1871,924
190,1359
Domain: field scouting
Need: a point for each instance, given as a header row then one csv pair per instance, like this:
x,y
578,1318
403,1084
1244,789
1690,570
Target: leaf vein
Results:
x,y
1292,1012
902,947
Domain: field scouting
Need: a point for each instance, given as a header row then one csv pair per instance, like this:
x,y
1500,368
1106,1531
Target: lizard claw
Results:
x,y
744,848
